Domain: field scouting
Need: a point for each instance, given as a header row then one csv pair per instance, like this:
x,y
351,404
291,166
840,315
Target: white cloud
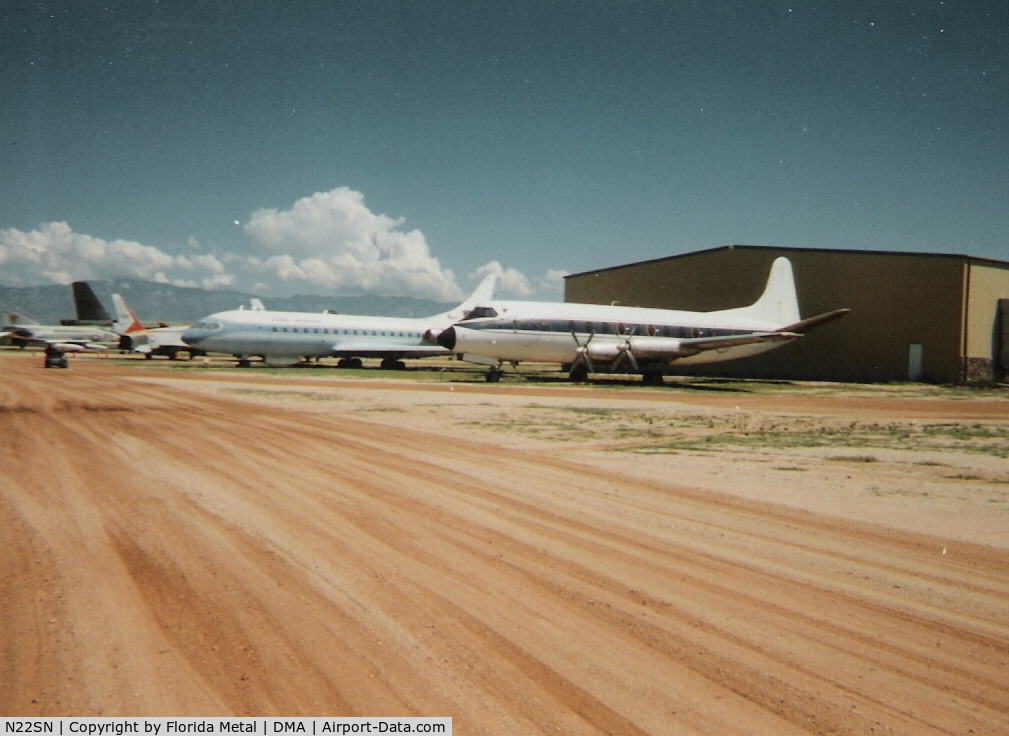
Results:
x,y
332,241
329,242
57,254
513,284
510,282
552,282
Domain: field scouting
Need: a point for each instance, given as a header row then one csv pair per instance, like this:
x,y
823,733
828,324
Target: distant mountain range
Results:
x,y
153,302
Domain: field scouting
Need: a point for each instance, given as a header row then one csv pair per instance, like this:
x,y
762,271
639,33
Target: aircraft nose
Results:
x,y
447,338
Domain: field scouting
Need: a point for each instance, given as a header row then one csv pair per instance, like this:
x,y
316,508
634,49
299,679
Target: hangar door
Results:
x,y
915,361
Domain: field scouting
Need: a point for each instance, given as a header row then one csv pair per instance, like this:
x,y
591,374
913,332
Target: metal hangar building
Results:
x,y
936,318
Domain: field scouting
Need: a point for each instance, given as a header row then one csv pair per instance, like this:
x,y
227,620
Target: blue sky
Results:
x,y
411,147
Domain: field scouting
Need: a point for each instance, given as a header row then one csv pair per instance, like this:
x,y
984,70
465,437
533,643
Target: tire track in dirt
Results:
x,y
219,557
469,485
909,660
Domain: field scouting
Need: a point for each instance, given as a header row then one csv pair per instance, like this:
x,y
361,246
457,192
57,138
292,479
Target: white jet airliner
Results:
x,y
591,338
284,338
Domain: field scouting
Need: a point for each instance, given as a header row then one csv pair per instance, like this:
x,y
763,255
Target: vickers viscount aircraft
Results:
x,y
284,338
593,338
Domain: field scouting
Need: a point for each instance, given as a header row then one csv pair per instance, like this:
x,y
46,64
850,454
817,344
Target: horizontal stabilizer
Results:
x,y
699,344
821,319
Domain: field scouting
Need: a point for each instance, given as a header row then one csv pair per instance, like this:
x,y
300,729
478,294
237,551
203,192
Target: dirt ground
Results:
x,y
523,558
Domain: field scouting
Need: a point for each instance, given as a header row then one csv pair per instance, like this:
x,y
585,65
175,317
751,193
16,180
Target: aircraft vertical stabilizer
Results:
x,y
778,304
87,304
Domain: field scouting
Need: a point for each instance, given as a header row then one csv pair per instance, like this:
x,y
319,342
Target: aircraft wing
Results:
x,y
65,346
71,346
791,332
693,345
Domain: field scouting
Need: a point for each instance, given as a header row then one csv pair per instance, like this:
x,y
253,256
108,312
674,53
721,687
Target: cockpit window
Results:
x,y
482,313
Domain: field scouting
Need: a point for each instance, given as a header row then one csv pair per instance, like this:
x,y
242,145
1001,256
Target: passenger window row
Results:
x,y
606,328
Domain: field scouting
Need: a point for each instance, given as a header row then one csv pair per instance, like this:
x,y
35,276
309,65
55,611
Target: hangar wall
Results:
x,y
985,326
925,317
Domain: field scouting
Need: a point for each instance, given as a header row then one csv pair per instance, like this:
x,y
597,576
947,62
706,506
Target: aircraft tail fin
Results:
x,y
778,305
126,322
87,305
13,319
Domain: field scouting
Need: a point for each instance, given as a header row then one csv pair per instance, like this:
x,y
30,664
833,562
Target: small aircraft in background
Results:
x,y
58,340
593,338
285,338
149,341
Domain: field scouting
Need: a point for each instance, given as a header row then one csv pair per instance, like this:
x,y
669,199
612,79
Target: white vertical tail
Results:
x,y
778,305
126,322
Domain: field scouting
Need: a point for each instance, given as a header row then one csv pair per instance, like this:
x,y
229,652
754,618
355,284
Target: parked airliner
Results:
x,y
284,338
593,338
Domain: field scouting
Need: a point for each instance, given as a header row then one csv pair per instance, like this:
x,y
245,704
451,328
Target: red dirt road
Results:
x,y
171,553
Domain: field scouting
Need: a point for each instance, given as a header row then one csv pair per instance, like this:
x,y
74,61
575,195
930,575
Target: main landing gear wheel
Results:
x,y
579,373
493,375
56,359
652,378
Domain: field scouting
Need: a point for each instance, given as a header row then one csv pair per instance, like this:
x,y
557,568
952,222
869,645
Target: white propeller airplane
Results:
x,y
284,338
592,338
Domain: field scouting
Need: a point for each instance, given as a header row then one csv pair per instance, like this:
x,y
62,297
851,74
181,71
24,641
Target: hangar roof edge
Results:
x,y
909,254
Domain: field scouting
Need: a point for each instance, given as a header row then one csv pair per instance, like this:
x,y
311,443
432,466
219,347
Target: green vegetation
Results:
x,y
652,432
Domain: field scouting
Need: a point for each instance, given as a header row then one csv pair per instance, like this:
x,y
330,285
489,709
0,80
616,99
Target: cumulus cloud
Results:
x,y
332,240
552,282
57,254
513,284
329,242
510,282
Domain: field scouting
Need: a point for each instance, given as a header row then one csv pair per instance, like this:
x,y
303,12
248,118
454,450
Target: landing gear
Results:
x,y
349,363
493,374
391,364
244,363
56,359
579,373
652,378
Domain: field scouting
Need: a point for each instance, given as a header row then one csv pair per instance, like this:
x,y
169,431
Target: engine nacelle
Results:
x,y
659,348
603,352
